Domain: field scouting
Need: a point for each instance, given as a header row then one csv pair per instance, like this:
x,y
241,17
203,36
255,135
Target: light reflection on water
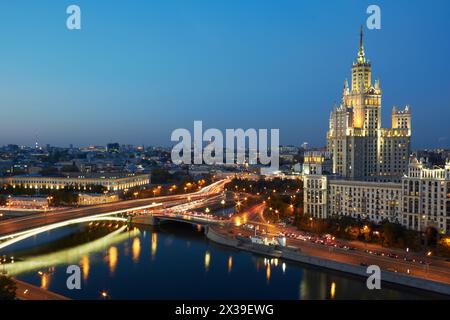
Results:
x,y
207,260
154,244
177,262
136,249
333,290
113,255
85,267
45,280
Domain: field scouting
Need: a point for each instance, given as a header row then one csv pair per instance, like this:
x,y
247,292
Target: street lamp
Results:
x,y
238,205
4,267
223,206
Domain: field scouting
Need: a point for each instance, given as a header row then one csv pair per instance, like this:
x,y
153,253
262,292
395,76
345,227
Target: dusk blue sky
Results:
x,y
140,69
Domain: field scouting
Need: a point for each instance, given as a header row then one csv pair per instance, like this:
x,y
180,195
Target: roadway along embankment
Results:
x,y
296,256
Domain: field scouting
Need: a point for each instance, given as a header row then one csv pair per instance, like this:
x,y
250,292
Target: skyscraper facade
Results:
x,y
360,148
367,172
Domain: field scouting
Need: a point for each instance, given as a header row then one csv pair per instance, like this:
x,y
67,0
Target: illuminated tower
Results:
x,y
355,139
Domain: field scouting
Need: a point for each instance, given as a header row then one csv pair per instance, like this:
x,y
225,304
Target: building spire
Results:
x,y
361,54
361,39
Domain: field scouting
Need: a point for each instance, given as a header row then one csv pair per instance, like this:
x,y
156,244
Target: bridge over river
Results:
x,y
15,230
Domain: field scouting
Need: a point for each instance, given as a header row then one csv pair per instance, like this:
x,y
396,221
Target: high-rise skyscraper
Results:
x,y
359,147
372,177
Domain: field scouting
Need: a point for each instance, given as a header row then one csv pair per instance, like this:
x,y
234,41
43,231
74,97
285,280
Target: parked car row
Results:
x,y
396,256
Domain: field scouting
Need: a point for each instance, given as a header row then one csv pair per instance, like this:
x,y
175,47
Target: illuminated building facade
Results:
x,y
112,182
420,200
426,197
359,147
366,172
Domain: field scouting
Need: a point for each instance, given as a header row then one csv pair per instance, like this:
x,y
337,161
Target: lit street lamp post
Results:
x,y
3,262
223,206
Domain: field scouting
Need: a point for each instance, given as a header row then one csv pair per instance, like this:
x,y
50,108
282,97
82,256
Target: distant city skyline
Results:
x,y
138,71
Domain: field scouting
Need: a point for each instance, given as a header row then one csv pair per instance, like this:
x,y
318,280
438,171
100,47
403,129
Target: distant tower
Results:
x,y
305,145
36,145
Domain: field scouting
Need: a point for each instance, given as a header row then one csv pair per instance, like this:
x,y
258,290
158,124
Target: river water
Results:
x,y
174,261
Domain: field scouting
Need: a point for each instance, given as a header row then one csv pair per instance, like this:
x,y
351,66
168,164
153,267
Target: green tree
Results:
x,y
395,235
7,288
161,175
63,198
2,200
431,235
70,168
443,247
49,171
